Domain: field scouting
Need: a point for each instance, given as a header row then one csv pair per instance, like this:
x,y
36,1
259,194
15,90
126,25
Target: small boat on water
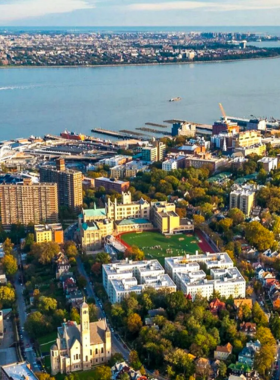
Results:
x,y
175,99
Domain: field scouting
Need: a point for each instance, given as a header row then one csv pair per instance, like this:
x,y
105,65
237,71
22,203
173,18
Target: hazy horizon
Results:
x,y
123,13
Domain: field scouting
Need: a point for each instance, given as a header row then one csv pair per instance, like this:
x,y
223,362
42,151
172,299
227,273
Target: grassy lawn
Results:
x,y
47,341
157,246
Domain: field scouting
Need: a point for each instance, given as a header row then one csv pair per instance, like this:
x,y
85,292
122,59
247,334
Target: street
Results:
x,y
117,345
29,352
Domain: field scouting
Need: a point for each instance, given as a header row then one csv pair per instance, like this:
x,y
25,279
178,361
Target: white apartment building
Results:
x,y
127,269
242,198
122,278
190,263
269,163
122,288
187,274
228,282
169,165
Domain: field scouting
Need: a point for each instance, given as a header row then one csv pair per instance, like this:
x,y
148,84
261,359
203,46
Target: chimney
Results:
x,y
60,164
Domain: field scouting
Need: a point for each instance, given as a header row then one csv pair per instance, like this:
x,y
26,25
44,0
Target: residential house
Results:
x,y
223,352
247,355
120,368
242,302
203,367
248,328
216,306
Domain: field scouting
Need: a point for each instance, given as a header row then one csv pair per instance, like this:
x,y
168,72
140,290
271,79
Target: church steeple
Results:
x,y
85,335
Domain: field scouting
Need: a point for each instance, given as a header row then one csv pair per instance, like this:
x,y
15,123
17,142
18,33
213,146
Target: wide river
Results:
x,y
49,100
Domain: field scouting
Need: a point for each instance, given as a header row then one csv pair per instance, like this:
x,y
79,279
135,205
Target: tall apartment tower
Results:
x,y
69,184
27,202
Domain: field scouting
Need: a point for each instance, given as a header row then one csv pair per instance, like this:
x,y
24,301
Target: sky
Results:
x,y
139,12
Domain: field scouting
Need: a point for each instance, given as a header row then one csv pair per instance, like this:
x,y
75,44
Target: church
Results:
x,y
79,347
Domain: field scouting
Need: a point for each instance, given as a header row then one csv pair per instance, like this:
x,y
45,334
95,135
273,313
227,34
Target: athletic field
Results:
x,y
158,246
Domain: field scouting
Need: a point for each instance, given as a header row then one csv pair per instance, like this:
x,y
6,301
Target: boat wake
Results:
x,y
10,88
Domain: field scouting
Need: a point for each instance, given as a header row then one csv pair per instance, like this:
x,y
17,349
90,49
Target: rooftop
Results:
x,y
19,371
126,222
94,213
112,180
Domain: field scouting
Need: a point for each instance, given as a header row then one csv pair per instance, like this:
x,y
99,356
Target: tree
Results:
x,y
47,304
264,360
262,176
259,316
198,220
58,317
225,224
115,358
8,246
93,312
44,376
134,253
124,376
181,361
74,315
10,264
70,248
81,282
236,215
44,252
7,296
29,241
222,370
96,269
103,258
134,360
259,236
103,373
265,336
275,325
134,323
35,324
176,302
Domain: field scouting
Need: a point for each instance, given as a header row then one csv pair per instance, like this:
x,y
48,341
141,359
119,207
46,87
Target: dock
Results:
x,y
150,130
132,132
118,135
156,125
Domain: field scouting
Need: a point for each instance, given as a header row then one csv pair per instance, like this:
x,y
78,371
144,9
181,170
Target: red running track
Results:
x,y
204,245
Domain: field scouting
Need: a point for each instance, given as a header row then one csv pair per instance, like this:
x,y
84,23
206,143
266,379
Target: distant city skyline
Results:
x,y
139,12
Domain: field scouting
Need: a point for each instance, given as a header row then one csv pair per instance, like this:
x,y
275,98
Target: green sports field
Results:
x,y
158,246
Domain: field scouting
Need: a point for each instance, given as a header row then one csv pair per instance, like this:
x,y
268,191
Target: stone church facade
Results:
x,y
79,347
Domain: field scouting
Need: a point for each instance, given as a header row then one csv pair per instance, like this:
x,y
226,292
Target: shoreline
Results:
x,y
135,64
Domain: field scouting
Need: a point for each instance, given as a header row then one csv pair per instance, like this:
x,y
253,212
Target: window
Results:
x,y
96,351
96,360
86,358
102,350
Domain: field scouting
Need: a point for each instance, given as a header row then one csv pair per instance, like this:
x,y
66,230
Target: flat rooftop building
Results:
x,y
192,280
17,371
69,184
112,184
28,202
125,277
49,232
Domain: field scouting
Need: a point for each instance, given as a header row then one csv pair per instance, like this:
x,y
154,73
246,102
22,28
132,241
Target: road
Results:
x,y
29,352
117,345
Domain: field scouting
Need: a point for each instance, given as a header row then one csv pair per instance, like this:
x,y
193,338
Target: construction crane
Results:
x,y
223,112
